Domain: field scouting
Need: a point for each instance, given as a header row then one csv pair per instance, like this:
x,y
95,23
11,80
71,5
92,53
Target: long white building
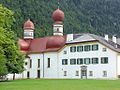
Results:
x,y
79,56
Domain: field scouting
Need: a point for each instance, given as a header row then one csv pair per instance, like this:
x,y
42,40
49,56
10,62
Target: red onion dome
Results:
x,y
58,15
55,42
23,45
29,25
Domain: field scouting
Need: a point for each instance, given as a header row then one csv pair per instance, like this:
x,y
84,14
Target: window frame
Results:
x,y
64,61
48,63
85,62
104,60
73,61
65,52
80,61
77,73
80,48
38,63
90,73
73,49
87,48
95,47
105,73
65,73
104,49
95,60
30,63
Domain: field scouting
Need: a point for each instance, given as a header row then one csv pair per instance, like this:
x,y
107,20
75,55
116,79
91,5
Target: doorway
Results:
x,y
83,72
28,74
38,73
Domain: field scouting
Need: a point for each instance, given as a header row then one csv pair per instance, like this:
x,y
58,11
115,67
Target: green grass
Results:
x,y
41,84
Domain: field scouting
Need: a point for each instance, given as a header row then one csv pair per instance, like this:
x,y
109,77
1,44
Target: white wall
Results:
x,y
17,76
97,68
51,72
34,68
56,69
118,64
45,72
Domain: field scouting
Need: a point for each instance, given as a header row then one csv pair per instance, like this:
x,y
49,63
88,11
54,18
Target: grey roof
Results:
x,y
91,37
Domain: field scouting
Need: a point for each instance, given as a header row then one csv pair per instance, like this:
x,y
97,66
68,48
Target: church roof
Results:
x,y
91,38
38,45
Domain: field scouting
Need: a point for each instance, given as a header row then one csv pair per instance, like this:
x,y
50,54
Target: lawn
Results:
x,y
42,84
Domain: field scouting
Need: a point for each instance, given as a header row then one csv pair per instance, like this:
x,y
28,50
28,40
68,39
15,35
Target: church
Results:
x,y
71,56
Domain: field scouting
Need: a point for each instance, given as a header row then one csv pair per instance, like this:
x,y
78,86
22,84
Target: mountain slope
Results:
x,y
93,16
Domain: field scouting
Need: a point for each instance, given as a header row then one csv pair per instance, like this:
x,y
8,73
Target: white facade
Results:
x,y
51,63
57,70
97,69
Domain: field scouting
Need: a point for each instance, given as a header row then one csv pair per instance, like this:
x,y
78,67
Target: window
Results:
x,y
26,63
104,60
73,49
28,34
30,63
104,73
80,61
65,73
72,61
86,60
77,73
57,29
38,63
95,61
48,62
64,61
65,52
79,48
95,47
87,48
90,73
104,49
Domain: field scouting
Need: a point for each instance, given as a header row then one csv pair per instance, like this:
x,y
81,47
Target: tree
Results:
x,y
3,68
11,59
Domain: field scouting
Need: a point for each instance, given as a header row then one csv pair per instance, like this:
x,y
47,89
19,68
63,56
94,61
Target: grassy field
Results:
x,y
42,84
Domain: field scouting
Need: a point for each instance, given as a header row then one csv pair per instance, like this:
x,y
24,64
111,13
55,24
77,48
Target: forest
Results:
x,y
81,16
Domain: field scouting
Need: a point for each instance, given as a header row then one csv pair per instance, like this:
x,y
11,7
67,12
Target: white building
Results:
x,y
69,56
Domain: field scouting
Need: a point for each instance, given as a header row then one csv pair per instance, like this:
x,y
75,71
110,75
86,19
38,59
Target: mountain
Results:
x,y
81,16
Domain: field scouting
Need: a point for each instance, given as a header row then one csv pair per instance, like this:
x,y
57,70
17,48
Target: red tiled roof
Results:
x,y
38,45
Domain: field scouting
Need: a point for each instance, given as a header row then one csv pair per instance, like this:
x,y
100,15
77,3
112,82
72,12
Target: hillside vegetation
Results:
x,y
92,16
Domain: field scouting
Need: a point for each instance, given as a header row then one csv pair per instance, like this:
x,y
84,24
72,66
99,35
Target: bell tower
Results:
x,y
28,29
58,17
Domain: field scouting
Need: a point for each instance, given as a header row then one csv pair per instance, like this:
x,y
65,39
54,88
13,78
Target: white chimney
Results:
x,y
114,39
69,37
106,37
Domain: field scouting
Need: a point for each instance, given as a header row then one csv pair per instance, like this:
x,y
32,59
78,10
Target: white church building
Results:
x,y
71,56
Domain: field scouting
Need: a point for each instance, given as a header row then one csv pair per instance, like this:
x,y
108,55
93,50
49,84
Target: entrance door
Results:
x,y
83,72
28,74
38,74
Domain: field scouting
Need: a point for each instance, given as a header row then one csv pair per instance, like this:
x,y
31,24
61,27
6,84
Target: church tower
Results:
x,y
58,17
28,29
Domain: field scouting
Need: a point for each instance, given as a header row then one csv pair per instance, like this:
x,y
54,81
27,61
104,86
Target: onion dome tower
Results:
x,y
56,41
58,17
28,29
